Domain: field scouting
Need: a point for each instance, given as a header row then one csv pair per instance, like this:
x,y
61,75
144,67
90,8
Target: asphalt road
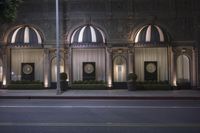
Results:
x,y
99,116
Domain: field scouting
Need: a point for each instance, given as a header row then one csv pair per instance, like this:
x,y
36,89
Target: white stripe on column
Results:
x,y
161,35
138,34
101,34
72,38
80,37
93,34
26,35
13,39
38,36
148,34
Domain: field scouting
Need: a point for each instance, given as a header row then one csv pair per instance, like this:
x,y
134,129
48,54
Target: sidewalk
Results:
x,y
101,94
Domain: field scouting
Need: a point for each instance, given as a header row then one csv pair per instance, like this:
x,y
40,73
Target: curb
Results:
x,y
104,97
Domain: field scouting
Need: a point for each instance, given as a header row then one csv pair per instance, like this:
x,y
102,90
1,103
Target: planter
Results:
x,y
131,86
131,83
63,82
63,85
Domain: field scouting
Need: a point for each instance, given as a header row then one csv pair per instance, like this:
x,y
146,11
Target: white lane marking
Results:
x,y
105,107
108,124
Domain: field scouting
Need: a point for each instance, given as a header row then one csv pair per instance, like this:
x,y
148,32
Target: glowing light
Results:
x,y
4,81
46,83
1,73
109,82
174,82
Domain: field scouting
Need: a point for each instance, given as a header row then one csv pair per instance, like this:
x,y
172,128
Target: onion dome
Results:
x,y
151,34
25,36
88,35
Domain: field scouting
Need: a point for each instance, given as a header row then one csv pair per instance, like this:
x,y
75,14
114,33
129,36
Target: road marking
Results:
x,y
106,107
109,124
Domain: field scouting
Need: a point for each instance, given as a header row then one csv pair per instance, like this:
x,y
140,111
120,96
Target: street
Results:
x,y
99,116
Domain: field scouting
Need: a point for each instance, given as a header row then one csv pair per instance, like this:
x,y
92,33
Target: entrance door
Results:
x,y
119,72
183,69
119,69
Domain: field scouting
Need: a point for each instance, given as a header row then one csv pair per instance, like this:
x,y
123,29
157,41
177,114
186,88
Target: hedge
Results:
x,y
88,86
89,82
153,87
26,82
25,86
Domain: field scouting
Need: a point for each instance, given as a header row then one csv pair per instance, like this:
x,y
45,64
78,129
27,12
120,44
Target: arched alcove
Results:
x,y
119,68
183,68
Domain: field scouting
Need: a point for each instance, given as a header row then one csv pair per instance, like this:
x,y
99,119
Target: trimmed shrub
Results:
x,y
89,82
63,76
88,86
153,86
25,86
132,77
63,82
26,82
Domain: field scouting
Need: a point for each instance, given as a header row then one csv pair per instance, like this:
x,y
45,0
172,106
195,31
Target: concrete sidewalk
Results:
x,y
100,94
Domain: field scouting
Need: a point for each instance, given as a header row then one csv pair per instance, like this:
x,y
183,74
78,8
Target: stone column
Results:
x,y
194,68
130,61
67,65
173,67
70,61
109,67
169,60
6,66
47,72
198,68
4,76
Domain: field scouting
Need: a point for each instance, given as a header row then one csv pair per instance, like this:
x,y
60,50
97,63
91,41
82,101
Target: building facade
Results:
x,y
103,40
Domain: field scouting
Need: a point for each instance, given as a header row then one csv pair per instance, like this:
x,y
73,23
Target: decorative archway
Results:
x,y
26,53
87,46
151,45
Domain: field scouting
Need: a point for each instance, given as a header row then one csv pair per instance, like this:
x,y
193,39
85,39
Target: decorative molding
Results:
x,y
87,45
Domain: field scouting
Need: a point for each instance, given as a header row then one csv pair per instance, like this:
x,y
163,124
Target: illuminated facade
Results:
x,y
103,40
